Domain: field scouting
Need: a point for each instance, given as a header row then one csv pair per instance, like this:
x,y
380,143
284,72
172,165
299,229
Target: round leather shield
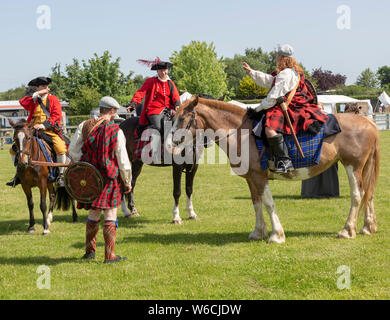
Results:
x,y
83,182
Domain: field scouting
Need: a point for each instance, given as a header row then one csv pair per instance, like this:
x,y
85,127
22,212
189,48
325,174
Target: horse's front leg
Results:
x,y
30,204
177,171
136,171
52,198
260,232
277,234
43,206
190,175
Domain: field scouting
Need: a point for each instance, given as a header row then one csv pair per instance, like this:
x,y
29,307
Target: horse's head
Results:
x,y
185,125
22,140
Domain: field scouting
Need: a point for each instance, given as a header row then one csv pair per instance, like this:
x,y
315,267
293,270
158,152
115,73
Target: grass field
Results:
x,y
206,259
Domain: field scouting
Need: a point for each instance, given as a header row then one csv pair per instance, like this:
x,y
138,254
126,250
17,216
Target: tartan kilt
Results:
x,y
109,198
301,118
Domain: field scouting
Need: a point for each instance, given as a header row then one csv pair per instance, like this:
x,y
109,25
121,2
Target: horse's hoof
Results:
x,y
277,238
31,230
135,213
46,232
368,230
177,222
255,236
193,217
345,234
365,231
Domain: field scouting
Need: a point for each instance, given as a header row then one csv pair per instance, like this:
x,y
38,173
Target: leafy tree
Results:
x,y
367,79
256,58
197,69
101,74
326,80
383,75
248,89
14,94
85,100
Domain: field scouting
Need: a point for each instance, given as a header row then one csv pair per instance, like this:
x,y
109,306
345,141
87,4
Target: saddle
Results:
x,y
139,144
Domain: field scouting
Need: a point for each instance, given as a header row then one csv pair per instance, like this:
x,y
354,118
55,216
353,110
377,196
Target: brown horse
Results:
x,y
37,176
357,147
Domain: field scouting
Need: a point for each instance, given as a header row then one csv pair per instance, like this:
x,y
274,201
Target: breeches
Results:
x,y
58,144
155,121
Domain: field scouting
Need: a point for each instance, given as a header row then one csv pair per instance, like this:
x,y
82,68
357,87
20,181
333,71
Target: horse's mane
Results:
x,y
224,106
220,105
20,124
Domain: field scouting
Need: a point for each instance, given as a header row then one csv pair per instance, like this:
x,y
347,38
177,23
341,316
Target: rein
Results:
x,y
193,122
193,119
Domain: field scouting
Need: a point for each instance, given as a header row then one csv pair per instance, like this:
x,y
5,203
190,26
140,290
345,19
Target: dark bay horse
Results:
x,y
356,147
128,127
37,176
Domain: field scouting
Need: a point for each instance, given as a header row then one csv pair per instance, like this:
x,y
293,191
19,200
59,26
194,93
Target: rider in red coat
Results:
x,y
160,92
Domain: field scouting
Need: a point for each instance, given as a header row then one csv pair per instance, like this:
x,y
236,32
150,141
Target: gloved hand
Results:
x,y
131,106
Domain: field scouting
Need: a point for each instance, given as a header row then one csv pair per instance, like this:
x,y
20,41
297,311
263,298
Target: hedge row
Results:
x,y
76,120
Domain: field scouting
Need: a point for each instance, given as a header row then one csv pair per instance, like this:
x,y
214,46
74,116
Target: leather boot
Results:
x,y
283,162
14,182
60,180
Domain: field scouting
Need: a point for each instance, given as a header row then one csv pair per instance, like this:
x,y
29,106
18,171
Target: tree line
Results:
x,y
197,69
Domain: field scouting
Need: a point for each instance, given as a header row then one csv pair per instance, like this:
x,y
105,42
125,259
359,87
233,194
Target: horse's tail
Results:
x,y
63,199
371,172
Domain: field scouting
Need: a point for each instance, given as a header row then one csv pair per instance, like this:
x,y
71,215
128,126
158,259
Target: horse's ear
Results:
x,y
11,123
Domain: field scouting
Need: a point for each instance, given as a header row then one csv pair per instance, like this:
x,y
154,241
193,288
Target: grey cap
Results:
x,y
285,50
108,102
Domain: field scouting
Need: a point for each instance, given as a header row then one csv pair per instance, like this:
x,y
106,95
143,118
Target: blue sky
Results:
x,y
145,29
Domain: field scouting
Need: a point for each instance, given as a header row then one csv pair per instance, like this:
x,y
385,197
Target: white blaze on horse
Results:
x,y
356,147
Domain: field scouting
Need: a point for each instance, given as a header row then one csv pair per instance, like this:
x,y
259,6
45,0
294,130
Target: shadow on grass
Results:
x,y
295,197
215,239
36,261
10,226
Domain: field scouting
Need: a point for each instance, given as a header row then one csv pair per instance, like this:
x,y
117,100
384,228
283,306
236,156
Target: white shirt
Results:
x,y
285,81
120,153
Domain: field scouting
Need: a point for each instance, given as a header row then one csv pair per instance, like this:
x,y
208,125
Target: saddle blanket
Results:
x,y
311,145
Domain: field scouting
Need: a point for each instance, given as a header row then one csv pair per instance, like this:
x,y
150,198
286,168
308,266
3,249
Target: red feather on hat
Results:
x,y
149,63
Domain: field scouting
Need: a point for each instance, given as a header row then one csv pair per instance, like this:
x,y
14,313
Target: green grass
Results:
x,y
206,259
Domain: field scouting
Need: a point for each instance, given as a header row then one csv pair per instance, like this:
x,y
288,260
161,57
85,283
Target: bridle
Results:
x,y
194,123
20,152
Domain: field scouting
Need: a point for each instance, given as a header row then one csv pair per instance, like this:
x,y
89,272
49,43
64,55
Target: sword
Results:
x,y
284,106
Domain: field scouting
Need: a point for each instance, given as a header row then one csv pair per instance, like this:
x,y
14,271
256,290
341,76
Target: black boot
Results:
x,y
283,162
14,182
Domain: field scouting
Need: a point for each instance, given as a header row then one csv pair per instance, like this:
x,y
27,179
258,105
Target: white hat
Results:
x,y
285,50
108,102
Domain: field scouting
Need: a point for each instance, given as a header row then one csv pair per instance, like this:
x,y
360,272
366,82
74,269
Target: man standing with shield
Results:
x,y
105,149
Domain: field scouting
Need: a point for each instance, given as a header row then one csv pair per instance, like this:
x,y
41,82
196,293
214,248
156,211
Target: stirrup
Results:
x,y
60,180
283,166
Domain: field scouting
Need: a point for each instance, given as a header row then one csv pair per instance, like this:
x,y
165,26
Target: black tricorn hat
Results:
x,y
156,64
162,65
40,81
